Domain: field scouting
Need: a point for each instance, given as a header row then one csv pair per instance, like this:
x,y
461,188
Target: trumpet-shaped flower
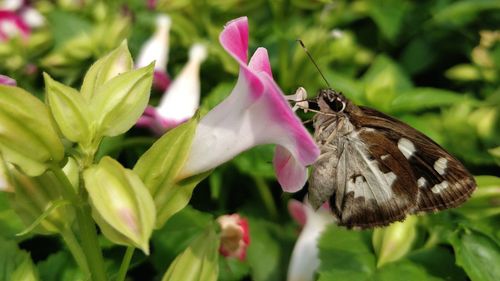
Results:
x,y
305,259
235,236
17,18
256,112
181,99
156,49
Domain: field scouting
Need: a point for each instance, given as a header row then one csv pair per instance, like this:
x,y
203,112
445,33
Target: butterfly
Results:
x,y
375,170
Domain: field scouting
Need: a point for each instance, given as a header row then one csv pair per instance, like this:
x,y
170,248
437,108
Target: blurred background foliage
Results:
x,y
432,64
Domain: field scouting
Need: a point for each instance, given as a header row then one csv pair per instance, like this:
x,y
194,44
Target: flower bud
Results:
x,y
393,242
27,135
121,204
116,62
234,237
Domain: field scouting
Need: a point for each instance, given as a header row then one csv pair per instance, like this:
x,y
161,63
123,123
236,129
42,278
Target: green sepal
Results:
x,y
160,166
70,110
199,261
27,135
122,100
116,62
121,204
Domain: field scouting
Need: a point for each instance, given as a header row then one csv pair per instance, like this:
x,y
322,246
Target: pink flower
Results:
x,y
305,259
256,112
17,19
156,49
6,80
182,98
234,237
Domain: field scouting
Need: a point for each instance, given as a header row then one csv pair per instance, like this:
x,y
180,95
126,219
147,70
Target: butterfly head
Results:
x,y
331,101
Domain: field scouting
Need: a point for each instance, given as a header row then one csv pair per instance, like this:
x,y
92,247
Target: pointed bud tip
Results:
x,y
198,52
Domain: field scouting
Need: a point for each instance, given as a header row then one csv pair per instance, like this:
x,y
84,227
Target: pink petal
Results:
x,y
11,24
234,38
6,80
297,211
291,175
161,81
260,62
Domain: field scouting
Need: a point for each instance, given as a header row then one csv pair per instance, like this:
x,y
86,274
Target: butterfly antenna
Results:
x,y
313,61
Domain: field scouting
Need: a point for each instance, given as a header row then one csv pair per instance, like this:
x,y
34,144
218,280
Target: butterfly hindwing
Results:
x,y
372,182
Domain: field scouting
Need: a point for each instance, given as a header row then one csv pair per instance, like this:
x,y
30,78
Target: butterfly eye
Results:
x,y
337,105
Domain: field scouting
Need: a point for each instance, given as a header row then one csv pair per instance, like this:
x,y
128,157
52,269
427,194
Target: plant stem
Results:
x,y
266,196
76,250
122,273
88,234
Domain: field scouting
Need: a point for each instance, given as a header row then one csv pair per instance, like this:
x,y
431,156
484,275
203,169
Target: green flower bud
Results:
x,y
198,262
121,204
27,135
70,110
393,242
121,101
116,62
38,202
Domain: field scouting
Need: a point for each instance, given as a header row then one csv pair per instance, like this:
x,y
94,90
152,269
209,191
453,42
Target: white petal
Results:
x,y
157,47
182,97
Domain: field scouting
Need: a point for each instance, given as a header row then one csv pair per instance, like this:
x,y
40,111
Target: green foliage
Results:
x,y
433,64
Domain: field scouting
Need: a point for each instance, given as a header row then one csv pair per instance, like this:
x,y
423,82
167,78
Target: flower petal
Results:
x,y
305,259
12,25
156,48
6,80
234,38
182,98
291,175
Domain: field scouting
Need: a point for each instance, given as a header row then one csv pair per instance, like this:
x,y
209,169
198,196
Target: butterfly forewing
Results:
x,y
374,169
443,182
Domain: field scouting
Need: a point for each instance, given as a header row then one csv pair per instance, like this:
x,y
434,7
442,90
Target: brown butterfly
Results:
x,y
374,169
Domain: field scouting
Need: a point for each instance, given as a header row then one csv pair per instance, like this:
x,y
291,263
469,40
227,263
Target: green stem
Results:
x,y
76,250
266,196
88,234
122,273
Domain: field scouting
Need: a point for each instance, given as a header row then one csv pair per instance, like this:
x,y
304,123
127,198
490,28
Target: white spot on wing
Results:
x,y
440,165
421,182
406,147
440,187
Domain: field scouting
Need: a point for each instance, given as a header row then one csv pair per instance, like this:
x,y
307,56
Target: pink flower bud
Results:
x,y
234,236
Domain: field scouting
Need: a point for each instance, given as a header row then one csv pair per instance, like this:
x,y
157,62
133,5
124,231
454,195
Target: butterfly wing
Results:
x,y
442,181
375,185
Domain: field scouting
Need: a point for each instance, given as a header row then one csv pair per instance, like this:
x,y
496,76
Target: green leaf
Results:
x,y
176,235
70,110
484,201
15,264
263,267
160,166
403,269
478,254
424,98
199,261
462,12
388,15
116,62
383,82
121,204
345,254
27,136
438,261
10,223
60,267
120,102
